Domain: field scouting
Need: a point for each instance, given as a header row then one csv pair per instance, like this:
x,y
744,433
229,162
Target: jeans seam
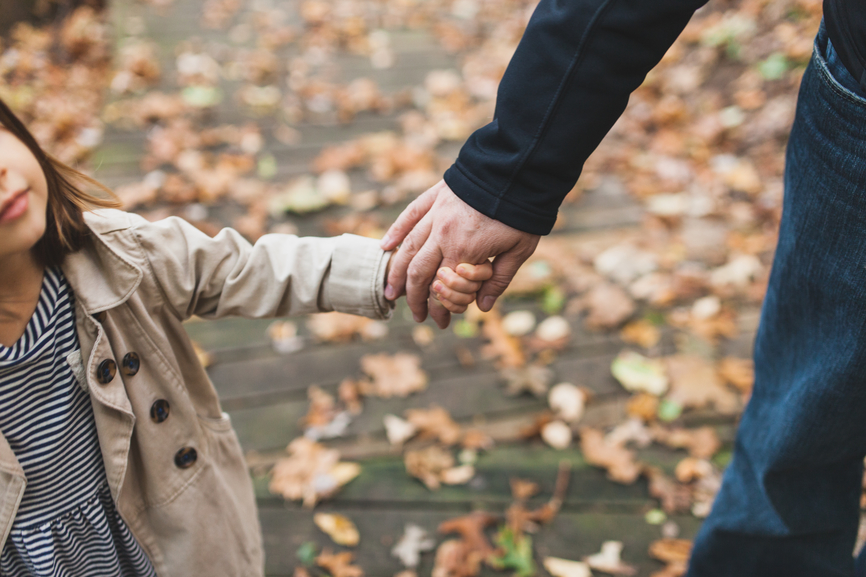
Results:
x,y
834,84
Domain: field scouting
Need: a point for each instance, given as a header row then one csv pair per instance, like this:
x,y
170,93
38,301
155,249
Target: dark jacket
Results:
x,y
568,82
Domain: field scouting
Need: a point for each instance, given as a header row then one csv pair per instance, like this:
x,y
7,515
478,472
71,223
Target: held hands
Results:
x,y
456,290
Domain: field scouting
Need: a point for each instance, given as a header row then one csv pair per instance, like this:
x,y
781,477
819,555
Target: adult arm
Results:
x,y
566,85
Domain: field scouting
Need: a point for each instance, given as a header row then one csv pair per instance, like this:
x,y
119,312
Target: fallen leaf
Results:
x,y
567,401
534,379
608,560
638,373
429,465
738,372
514,552
338,327
398,430
522,489
557,434
311,472
619,461
437,423
410,546
643,406
518,323
565,568
701,443
397,375
339,564
674,497
338,527
471,530
454,558
502,346
607,306
642,333
696,385
675,553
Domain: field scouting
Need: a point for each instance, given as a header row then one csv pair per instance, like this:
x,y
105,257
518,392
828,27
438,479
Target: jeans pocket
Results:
x,y
834,71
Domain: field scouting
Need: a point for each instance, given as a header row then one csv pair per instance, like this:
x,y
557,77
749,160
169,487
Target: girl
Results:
x,y
115,458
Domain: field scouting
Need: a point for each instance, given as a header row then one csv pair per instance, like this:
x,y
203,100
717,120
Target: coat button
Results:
x,y
100,317
130,364
185,458
105,371
159,411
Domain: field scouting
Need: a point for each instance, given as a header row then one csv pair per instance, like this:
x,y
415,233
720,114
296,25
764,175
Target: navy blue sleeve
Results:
x,y
566,85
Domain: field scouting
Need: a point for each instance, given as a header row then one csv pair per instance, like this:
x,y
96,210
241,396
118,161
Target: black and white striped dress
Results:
x,y
67,525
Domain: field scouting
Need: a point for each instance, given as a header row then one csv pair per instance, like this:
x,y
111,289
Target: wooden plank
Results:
x,y
570,535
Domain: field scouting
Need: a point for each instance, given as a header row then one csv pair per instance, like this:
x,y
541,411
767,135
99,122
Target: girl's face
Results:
x,y
23,196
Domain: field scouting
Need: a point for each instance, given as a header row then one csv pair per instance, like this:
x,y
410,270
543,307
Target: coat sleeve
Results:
x,y
280,275
566,85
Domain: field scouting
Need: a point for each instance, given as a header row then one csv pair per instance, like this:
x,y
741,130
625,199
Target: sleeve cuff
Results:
x,y
356,283
523,218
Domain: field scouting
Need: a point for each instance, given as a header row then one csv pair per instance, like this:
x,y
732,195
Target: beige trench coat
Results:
x,y
180,481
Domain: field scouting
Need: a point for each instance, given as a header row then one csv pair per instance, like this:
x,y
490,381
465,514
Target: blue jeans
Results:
x,y
789,503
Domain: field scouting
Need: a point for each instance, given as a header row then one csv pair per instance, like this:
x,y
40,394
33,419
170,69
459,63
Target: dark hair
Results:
x,y
65,230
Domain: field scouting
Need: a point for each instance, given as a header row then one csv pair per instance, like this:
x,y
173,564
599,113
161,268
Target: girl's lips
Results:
x,y
16,208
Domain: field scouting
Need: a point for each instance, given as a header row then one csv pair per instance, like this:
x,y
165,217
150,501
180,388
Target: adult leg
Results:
x,y
789,501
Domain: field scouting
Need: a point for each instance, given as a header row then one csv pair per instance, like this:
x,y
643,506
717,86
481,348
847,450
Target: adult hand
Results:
x,y
438,229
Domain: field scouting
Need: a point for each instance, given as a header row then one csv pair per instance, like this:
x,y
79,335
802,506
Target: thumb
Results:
x,y
408,219
504,268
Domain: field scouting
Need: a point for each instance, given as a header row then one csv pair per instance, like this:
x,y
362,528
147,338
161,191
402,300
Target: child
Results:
x,y
115,458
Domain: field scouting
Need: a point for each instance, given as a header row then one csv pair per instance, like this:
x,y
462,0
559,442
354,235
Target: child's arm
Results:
x,y
456,290
280,275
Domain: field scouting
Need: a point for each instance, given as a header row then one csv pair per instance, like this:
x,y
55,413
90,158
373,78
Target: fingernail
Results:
x,y
417,317
390,293
437,286
462,268
386,240
487,303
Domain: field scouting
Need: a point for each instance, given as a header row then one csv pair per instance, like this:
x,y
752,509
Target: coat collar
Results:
x,y
99,274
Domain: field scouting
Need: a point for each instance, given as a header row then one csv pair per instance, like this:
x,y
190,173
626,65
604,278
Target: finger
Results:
x,y
440,313
504,268
407,220
456,282
419,275
441,291
452,307
402,258
478,272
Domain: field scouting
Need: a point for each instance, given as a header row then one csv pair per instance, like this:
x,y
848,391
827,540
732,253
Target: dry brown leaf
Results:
x,y
471,530
339,564
338,527
337,327
619,461
349,393
607,306
429,465
522,489
454,558
534,379
701,443
322,408
642,333
437,423
738,372
694,384
477,439
674,497
397,375
643,406
311,472
502,346
675,553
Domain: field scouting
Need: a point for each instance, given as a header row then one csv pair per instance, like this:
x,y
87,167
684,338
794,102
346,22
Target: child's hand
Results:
x,y
456,290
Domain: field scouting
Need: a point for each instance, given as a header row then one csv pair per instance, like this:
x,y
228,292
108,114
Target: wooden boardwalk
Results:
x,y
266,392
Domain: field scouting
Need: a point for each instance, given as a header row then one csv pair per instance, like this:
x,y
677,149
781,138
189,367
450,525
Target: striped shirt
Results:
x,y
67,524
